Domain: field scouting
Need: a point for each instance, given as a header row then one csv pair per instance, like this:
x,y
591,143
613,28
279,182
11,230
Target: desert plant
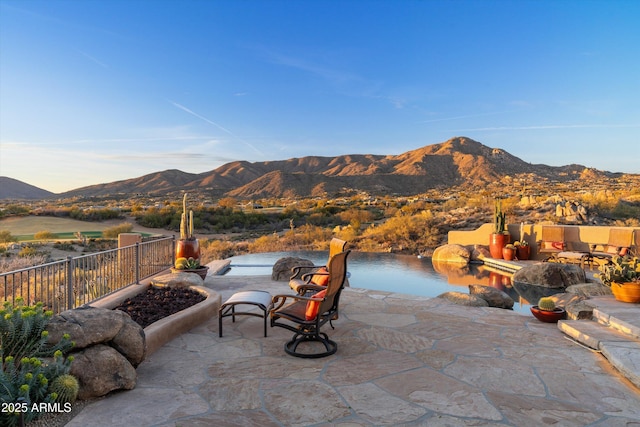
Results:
x,y
113,232
547,304
64,388
186,263
23,333
620,270
186,221
499,218
25,375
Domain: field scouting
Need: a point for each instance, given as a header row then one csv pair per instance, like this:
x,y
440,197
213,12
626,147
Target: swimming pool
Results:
x,y
390,272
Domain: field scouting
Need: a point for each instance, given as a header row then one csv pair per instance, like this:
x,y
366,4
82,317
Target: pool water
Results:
x,y
391,273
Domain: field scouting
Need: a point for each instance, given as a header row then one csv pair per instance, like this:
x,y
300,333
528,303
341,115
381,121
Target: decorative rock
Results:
x,y
178,280
451,253
494,297
282,268
564,299
100,369
579,311
589,289
550,275
480,252
87,325
109,345
130,341
461,298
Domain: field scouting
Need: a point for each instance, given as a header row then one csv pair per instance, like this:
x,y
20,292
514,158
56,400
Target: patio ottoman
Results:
x,y
260,299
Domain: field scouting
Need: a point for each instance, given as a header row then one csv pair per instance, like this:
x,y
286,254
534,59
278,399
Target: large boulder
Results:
x,y
178,280
493,296
461,298
451,253
101,369
282,268
91,325
109,346
550,275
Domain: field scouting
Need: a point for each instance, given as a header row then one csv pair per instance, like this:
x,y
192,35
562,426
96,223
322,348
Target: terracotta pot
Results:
x,y
523,252
626,292
497,241
548,316
188,248
508,253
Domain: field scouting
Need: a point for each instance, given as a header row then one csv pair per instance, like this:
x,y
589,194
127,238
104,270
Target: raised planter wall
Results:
x,y
159,333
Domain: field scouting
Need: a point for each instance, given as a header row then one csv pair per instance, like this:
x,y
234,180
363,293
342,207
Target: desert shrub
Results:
x,y
28,251
29,362
14,263
64,246
6,237
113,232
216,249
44,235
409,233
269,243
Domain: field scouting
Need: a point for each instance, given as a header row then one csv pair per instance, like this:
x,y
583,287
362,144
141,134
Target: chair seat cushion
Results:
x,y
311,311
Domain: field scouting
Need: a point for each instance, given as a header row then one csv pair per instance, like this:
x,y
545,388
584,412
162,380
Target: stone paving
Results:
x,y
401,360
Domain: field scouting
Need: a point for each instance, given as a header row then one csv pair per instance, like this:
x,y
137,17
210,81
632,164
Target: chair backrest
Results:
x,y
621,237
335,247
552,233
337,274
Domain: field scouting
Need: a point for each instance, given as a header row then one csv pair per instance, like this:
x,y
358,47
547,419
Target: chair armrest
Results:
x,y
296,270
301,287
279,300
308,276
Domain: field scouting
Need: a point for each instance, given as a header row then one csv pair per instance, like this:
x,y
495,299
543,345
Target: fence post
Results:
x,y
173,250
137,262
70,263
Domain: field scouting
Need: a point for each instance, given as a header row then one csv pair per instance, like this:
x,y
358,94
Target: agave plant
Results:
x,y
620,270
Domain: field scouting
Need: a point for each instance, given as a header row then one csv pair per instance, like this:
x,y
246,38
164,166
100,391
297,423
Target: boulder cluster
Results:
x,y
108,348
566,282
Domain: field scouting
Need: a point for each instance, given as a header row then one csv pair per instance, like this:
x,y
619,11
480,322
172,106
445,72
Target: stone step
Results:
x,y
621,349
590,333
622,320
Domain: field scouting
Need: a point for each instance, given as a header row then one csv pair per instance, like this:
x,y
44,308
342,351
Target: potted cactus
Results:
x,y
187,247
622,275
546,310
500,236
190,265
509,252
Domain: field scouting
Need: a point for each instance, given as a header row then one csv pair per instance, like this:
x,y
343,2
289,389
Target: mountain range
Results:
x,y
459,161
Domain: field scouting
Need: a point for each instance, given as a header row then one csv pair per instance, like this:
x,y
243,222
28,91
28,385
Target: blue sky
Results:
x,y
98,91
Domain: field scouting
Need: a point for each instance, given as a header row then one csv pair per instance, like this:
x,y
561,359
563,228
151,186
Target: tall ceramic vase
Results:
x,y
188,248
497,242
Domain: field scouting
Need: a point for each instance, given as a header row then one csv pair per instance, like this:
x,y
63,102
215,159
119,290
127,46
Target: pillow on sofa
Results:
x,y
313,306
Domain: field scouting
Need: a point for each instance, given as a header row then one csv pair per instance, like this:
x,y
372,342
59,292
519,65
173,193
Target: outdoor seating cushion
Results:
x,y
313,306
321,279
553,245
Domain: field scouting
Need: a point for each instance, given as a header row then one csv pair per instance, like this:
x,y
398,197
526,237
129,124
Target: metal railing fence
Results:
x,y
74,281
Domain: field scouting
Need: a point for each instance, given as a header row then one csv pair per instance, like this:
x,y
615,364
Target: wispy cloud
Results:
x,y
542,127
92,59
211,122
